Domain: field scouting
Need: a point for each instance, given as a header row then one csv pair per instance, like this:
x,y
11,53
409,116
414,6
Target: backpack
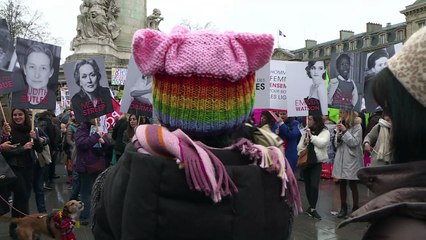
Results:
x,y
265,137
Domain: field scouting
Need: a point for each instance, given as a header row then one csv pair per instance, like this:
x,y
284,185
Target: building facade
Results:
x,y
375,37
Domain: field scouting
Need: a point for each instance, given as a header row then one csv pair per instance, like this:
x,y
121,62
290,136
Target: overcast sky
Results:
x,y
319,20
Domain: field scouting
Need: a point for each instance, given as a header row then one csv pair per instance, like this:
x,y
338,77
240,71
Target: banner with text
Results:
x,y
271,86
88,85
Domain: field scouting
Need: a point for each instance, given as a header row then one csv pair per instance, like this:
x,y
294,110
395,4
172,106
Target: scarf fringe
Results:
x,y
205,172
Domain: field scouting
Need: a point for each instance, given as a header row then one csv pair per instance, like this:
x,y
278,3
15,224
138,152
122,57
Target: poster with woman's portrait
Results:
x,y
7,62
6,47
375,61
88,88
137,96
345,87
307,88
38,70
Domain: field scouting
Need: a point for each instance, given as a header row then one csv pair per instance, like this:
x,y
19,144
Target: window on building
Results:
x,y
352,45
328,51
400,35
316,53
421,24
339,47
382,38
367,41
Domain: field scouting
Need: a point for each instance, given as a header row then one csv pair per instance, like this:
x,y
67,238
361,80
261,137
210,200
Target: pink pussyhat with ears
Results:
x,y
203,81
226,55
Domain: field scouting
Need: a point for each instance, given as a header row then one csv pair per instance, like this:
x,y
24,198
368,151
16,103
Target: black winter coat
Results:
x,y
147,197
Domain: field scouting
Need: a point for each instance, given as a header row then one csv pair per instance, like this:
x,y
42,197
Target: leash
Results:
x,y
17,210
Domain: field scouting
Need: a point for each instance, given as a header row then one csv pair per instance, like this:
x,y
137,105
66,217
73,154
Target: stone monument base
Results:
x,y
86,48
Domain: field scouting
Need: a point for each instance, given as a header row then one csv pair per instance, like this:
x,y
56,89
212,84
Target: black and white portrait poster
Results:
x,y
307,88
7,62
6,47
375,61
88,88
346,84
38,70
137,96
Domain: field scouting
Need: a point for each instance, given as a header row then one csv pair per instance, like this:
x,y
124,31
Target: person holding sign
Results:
x,y
91,148
92,100
21,159
349,157
342,90
317,99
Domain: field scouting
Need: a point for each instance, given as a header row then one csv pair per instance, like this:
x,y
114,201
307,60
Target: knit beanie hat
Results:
x,y
203,81
409,65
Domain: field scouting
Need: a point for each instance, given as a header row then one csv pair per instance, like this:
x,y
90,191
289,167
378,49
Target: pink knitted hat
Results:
x,y
203,53
203,81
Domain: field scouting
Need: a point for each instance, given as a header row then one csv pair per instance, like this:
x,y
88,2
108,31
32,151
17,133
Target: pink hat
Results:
x,y
203,81
204,53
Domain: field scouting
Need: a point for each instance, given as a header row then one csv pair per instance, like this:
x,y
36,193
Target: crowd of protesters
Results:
x,y
349,145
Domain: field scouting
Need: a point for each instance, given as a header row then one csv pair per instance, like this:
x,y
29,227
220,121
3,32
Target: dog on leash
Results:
x,y
57,225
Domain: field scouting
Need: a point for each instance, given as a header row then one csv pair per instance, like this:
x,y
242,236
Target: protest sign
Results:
x,y
137,96
118,76
271,86
88,86
38,72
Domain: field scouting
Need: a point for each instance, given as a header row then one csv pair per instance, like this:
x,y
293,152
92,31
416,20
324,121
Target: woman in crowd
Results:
x,y
288,130
130,130
21,159
316,140
156,192
87,76
90,161
267,121
377,142
317,99
398,211
349,157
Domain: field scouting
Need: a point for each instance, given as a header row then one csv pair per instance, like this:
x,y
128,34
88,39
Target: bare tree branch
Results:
x,y
24,23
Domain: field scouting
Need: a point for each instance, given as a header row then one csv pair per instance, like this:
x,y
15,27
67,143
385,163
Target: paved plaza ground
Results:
x,y
305,228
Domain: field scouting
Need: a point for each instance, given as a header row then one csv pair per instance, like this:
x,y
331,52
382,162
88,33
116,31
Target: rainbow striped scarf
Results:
x,y
204,171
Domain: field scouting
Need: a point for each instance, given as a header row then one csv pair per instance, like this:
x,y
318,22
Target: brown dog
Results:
x,y
44,224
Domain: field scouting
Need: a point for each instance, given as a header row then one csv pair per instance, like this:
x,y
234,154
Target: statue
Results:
x,y
97,20
153,20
